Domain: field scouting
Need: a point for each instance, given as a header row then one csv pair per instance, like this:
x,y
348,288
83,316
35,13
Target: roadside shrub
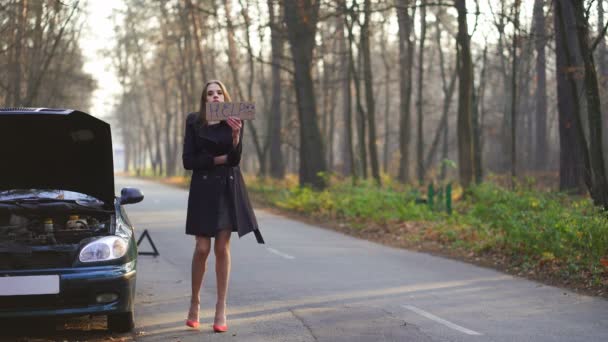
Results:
x,y
545,226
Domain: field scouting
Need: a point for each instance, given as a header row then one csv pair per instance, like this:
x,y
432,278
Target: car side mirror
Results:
x,y
130,196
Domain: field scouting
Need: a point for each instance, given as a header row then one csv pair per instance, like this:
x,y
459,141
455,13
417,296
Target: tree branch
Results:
x,y
203,10
477,13
31,96
68,5
588,9
599,37
257,58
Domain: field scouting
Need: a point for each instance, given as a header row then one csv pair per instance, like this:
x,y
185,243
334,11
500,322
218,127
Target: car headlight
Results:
x,y
104,249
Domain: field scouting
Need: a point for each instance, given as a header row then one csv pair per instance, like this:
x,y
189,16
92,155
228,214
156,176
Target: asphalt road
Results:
x,y
312,284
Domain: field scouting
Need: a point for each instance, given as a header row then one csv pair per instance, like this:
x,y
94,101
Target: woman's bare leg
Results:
x,y
199,263
222,271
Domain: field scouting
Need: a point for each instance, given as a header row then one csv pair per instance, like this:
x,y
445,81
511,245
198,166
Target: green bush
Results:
x,y
365,200
543,226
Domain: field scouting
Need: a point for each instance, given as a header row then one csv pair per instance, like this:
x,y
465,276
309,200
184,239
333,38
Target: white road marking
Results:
x,y
274,251
441,320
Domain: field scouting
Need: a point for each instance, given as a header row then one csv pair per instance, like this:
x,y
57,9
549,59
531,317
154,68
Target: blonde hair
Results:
x,y
202,110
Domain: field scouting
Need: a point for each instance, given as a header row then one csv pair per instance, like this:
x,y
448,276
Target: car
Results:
x,y
67,247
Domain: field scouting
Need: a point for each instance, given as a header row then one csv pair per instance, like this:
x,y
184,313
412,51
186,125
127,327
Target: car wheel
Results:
x,y
121,322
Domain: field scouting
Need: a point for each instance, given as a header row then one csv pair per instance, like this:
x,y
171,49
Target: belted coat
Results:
x,y
210,182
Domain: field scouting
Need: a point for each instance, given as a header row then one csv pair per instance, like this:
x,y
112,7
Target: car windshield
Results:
x,y
16,194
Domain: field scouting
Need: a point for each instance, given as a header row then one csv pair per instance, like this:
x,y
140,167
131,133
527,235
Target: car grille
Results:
x,y
16,109
35,260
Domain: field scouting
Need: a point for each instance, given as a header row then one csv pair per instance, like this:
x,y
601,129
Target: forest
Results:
x,y
500,98
41,60
402,88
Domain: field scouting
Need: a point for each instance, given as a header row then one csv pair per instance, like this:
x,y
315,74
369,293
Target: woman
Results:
x,y
217,203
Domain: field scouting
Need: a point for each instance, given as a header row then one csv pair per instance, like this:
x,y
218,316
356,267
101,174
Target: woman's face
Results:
x,y
214,93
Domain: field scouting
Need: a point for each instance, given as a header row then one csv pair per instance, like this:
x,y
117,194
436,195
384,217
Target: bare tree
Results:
x,y
369,94
348,166
602,54
465,99
448,92
406,52
596,182
514,62
388,65
350,19
420,102
540,155
277,168
40,57
572,148
478,117
301,19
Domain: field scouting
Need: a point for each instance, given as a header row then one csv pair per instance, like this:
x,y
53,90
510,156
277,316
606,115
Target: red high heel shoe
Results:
x,y
220,328
192,324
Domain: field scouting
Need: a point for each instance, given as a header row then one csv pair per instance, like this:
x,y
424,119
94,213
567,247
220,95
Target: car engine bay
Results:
x,y
34,239
51,229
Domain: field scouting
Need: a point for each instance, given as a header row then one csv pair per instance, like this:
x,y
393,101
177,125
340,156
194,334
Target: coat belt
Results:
x,y
218,171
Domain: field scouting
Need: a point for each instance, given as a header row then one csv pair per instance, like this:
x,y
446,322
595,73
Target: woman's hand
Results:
x,y
235,124
220,160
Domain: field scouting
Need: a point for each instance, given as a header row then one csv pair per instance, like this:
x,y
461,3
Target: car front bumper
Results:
x,y
78,290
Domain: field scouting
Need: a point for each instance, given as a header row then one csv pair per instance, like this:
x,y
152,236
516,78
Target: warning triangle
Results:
x,y
145,234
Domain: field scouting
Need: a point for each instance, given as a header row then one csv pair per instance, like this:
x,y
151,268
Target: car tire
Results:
x,y
121,322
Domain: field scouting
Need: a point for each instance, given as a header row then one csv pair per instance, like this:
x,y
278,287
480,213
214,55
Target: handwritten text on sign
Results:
x,y
222,110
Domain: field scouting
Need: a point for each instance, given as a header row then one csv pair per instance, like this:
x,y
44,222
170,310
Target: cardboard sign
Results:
x,y
217,111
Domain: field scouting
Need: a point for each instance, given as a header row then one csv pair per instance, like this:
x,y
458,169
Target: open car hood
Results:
x,y
56,149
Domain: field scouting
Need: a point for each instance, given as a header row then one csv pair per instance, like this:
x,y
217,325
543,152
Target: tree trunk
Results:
x,y
158,170
233,59
478,119
602,54
348,160
198,34
127,156
354,69
466,149
447,100
541,151
332,130
599,185
448,91
261,147
301,19
233,63
32,96
525,103
420,103
406,51
277,167
387,107
369,92
505,134
170,157
514,61
572,149
602,61
188,56
18,53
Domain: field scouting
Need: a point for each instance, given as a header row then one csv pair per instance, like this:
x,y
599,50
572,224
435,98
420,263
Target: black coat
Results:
x,y
201,145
